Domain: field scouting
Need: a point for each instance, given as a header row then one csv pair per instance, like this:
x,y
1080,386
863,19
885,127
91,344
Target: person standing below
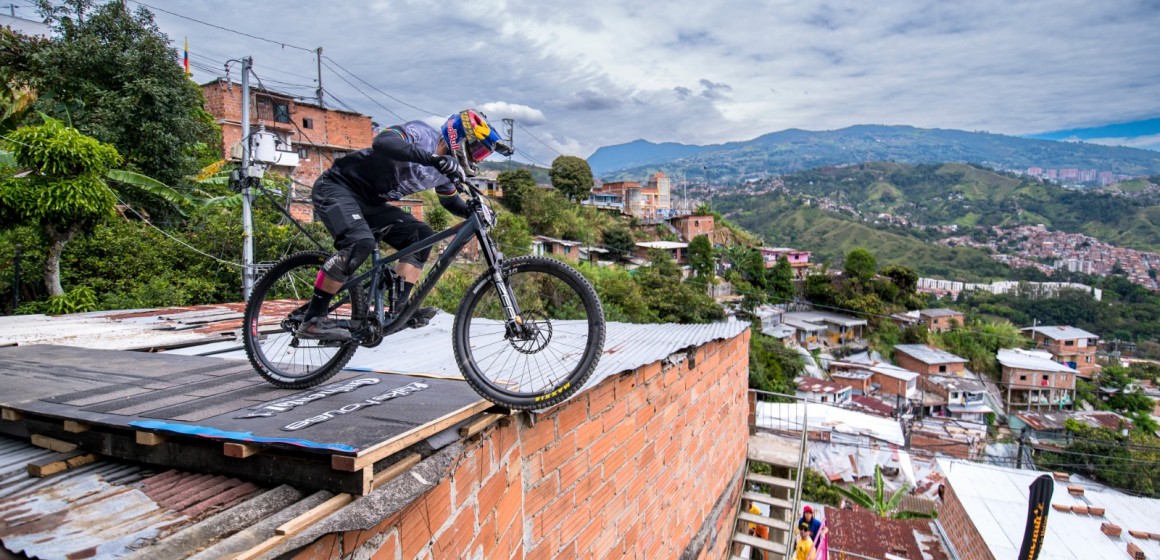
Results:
x,y
805,544
810,522
758,530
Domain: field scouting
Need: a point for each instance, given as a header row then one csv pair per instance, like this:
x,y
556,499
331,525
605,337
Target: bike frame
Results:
x,y
460,235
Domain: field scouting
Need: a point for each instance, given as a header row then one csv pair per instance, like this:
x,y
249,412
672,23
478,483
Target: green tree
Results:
x,y
1130,462
860,265
512,233
515,185
781,280
914,334
619,242
116,71
701,257
572,177
772,366
17,95
438,217
904,277
879,503
671,300
65,191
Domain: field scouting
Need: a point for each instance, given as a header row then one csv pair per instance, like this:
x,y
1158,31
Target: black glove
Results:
x,y
448,165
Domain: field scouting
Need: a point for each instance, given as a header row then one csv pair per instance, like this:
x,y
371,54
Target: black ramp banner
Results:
x,y
1037,508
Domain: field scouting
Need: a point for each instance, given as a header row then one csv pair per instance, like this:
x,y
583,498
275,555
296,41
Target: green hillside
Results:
x,y
781,220
969,196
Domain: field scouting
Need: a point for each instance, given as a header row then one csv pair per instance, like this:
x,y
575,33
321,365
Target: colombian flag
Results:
x,y
185,57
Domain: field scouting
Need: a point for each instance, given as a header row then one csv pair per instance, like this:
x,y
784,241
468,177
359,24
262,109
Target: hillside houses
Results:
x,y
928,360
1034,381
1075,348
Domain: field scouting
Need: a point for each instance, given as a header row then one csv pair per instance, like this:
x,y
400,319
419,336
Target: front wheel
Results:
x,y
552,351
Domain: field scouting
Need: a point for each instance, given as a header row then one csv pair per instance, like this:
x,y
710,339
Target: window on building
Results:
x,y
696,223
567,249
406,209
1087,359
1069,343
942,369
282,112
339,154
1045,376
1022,378
307,122
303,154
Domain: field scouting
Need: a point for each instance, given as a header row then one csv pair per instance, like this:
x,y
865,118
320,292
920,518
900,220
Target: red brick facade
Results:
x,y
692,226
908,362
631,468
316,133
967,542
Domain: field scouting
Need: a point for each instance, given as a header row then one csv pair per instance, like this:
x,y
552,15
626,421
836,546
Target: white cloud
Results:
x,y
496,110
583,75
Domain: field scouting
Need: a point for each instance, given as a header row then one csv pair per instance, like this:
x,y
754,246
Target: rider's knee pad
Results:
x,y
342,265
418,258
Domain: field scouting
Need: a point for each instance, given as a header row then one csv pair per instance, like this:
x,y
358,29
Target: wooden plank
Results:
x,y
765,499
373,454
262,548
74,427
479,424
52,443
317,512
389,473
762,520
60,463
11,415
771,480
150,438
240,450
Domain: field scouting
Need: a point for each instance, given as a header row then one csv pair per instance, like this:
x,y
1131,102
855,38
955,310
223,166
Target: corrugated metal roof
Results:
x,y
939,312
995,500
122,330
826,418
105,509
1044,421
928,354
1025,359
1062,332
626,347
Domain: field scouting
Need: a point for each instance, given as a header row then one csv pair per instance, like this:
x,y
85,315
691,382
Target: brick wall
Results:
x,y
638,466
906,361
889,385
965,538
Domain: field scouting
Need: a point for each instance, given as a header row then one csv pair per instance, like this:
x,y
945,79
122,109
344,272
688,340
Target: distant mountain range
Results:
x,y
795,150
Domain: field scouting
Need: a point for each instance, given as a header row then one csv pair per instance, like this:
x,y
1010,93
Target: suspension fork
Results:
x,y
494,259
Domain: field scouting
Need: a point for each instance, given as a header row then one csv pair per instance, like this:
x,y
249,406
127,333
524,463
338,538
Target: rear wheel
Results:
x,y
550,354
276,308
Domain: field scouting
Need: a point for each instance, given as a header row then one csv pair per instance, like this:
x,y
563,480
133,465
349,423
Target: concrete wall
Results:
x,y
647,464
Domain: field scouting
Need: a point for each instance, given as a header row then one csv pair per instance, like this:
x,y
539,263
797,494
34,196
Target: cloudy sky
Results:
x,y
580,75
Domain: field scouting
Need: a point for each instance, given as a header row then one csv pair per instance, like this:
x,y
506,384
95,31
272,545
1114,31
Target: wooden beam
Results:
x,y
240,450
150,438
59,463
373,454
317,512
262,548
479,424
53,444
11,415
74,427
389,473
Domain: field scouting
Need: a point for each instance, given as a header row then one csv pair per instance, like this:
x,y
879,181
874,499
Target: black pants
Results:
x,y
349,218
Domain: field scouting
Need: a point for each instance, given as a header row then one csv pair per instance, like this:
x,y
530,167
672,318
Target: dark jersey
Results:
x,y
398,163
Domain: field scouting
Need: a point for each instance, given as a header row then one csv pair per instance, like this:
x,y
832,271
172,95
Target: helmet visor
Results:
x,y
478,151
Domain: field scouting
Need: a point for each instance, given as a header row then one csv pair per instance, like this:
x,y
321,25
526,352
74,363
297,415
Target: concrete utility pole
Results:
x,y
318,57
247,195
510,125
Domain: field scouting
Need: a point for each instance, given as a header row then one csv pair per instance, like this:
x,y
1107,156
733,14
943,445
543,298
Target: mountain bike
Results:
x,y
527,333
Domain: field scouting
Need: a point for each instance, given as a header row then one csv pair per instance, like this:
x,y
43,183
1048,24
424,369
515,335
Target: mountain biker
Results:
x,y
351,197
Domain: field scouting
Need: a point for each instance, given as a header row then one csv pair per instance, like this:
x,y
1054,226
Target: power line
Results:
x,y
372,86
537,139
356,88
215,26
